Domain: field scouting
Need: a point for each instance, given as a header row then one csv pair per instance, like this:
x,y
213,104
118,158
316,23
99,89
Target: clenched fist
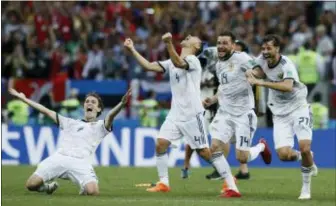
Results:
x,y
129,44
167,37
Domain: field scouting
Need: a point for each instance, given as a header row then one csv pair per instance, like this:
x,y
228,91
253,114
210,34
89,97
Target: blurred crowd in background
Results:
x,y
84,39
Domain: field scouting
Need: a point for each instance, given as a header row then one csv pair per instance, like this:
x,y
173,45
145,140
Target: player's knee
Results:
x,y
92,190
32,185
242,156
205,153
283,155
161,145
305,149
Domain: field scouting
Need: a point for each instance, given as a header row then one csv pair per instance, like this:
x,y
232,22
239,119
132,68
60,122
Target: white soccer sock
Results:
x,y
222,166
254,151
306,178
299,157
162,167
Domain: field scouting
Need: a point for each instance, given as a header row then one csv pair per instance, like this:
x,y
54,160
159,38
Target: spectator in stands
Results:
x,y
325,45
320,113
18,112
149,111
71,107
311,67
93,69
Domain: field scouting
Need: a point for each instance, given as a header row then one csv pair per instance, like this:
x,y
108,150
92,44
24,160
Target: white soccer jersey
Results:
x,y
78,138
283,103
185,87
235,94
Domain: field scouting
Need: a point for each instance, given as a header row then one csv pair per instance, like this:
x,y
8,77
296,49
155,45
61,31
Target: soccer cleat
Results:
x,y
314,170
305,197
230,194
52,187
213,176
159,187
185,173
242,176
305,193
225,186
266,154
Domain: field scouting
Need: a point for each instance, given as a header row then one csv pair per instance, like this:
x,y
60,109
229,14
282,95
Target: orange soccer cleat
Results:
x,y
159,187
230,194
225,186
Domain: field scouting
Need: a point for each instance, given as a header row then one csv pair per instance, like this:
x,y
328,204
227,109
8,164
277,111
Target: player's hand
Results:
x,y
128,44
254,81
207,102
16,93
249,73
167,37
125,98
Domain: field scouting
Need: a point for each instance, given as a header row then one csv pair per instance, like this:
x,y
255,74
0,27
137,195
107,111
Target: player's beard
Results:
x,y
224,53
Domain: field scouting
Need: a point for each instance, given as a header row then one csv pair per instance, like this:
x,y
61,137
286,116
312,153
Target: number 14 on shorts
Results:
x,y
244,140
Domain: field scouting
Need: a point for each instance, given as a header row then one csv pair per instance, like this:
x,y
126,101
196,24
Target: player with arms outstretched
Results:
x,y
185,119
288,102
78,141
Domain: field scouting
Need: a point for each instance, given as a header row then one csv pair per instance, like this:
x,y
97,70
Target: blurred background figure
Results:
x,y
18,112
320,113
71,107
148,111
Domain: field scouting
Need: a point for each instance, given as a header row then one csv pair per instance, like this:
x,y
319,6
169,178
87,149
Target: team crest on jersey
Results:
x,y
281,75
231,67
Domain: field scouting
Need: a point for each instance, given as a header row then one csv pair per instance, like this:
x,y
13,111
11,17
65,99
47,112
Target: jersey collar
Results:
x,y
228,57
275,65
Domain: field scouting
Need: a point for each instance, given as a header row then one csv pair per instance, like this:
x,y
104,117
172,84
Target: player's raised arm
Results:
x,y
149,66
174,57
35,105
113,112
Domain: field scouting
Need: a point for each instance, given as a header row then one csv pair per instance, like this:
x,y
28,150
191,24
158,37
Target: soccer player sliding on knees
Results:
x,y
185,118
78,141
287,100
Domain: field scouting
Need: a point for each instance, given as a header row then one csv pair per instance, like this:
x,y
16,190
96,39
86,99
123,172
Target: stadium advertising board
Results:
x,y
131,145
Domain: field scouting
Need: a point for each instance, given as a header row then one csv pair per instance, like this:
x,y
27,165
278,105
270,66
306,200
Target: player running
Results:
x,y
211,56
288,102
78,141
235,117
185,119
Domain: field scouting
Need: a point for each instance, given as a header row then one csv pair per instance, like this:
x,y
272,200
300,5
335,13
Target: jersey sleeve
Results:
x,y
164,65
103,130
193,63
64,122
289,71
248,63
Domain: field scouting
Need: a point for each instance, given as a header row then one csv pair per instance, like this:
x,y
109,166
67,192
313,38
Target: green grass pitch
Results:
x,y
268,186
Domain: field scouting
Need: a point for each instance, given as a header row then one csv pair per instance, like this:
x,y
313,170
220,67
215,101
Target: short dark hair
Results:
x,y
230,34
243,46
100,101
274,38
200,50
